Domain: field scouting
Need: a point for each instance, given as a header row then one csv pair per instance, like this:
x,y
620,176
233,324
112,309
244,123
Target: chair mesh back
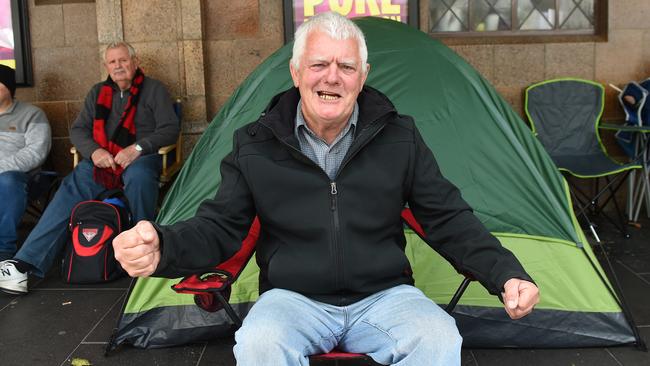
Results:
x,y
565,114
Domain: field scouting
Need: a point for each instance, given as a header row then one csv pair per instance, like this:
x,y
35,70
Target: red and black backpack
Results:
x,y
88,256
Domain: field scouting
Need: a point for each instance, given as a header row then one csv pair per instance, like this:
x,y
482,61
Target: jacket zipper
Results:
x,y
336,246
338,250
336,242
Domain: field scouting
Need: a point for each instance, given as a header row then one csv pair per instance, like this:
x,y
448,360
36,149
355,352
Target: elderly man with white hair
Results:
x,y
327,169
123,123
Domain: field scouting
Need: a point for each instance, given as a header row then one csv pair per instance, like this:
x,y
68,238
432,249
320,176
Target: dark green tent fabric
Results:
x,y
464,120
481,145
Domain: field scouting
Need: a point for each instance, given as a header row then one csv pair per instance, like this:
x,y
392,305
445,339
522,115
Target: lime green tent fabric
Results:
x,y
482,146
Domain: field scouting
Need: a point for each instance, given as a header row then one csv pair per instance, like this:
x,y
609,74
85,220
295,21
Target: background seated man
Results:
x,y
24,144
328,168
124,121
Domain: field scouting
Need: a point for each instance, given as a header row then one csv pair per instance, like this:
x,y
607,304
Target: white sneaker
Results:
x,y
12,281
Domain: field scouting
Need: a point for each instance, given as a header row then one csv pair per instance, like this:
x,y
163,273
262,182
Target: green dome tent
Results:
x,y
482,146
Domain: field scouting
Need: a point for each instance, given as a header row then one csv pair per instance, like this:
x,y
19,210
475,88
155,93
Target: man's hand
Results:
x,y
103,159
519,297
138,249
127,155
629,99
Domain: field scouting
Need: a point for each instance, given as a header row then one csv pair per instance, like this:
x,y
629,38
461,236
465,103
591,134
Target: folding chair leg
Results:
x,y
457,295
647,190
610,187
582,211
629,208
642,191
229,310
639,193
594,233
622,225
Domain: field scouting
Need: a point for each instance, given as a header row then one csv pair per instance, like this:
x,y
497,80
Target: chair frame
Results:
x,y
636,115
584,201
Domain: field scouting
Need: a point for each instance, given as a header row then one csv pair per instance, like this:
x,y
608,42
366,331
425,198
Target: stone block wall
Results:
x,y
203,49
624,57
65,60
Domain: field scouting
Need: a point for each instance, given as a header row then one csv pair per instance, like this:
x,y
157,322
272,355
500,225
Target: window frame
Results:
x,y
598,34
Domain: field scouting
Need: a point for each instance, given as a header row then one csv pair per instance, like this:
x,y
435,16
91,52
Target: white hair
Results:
x,y
118,44
334,25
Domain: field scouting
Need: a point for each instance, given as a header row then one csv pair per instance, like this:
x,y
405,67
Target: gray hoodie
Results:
x,y
25,138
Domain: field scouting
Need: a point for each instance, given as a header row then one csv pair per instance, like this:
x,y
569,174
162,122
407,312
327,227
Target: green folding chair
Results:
x,y
565,114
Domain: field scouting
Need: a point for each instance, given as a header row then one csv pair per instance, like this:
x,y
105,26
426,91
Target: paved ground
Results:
x,y
56,322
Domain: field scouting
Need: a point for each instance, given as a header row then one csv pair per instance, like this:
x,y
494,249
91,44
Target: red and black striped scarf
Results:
x,y
124,134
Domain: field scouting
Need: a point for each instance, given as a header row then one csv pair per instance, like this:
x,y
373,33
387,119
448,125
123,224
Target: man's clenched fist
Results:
x,y
138,249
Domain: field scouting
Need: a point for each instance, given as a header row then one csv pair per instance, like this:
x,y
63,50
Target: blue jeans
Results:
x,y
397,326
13,197
46,240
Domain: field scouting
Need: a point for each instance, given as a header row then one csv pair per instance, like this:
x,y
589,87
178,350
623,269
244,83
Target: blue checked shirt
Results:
x,y
328,157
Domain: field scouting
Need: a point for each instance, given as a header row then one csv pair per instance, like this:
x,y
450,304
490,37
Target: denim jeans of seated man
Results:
x,y
398,326
13,198
46,240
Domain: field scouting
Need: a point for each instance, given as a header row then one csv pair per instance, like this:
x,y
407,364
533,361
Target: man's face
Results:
x,y
329,79
119,65
5,94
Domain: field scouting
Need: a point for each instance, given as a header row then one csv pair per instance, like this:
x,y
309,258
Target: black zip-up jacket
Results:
x,y
335,241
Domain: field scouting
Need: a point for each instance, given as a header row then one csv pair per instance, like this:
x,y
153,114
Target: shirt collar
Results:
x,y
300,119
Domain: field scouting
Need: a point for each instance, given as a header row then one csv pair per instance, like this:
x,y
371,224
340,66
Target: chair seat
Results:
x,y
336,354
591,165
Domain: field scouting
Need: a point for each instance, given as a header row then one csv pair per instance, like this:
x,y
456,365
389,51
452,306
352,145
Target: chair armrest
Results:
x,y
166,149
170,166
211,292
213,281
76,156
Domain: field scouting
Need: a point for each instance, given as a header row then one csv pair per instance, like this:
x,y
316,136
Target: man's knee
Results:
x,y
264,342
437,335
142,173
12,182
266,335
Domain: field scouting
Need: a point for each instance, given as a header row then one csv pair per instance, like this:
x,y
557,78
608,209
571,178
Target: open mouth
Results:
x,y
328,96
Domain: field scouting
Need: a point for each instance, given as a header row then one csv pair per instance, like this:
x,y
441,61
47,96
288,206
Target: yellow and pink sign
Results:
x,y
391,9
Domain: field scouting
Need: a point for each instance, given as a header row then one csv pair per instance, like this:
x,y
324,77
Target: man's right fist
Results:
x,y
138,249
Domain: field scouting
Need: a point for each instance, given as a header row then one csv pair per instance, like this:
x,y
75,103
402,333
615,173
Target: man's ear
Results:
x,y
294,75
365,76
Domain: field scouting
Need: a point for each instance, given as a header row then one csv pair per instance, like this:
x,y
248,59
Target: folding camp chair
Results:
x,y
172,158
626,139
565,115
633,139
212,290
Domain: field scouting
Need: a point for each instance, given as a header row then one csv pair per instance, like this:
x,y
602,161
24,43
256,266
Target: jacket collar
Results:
x,y
280,114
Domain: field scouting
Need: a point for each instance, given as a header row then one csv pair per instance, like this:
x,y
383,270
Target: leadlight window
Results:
x,y
516,17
